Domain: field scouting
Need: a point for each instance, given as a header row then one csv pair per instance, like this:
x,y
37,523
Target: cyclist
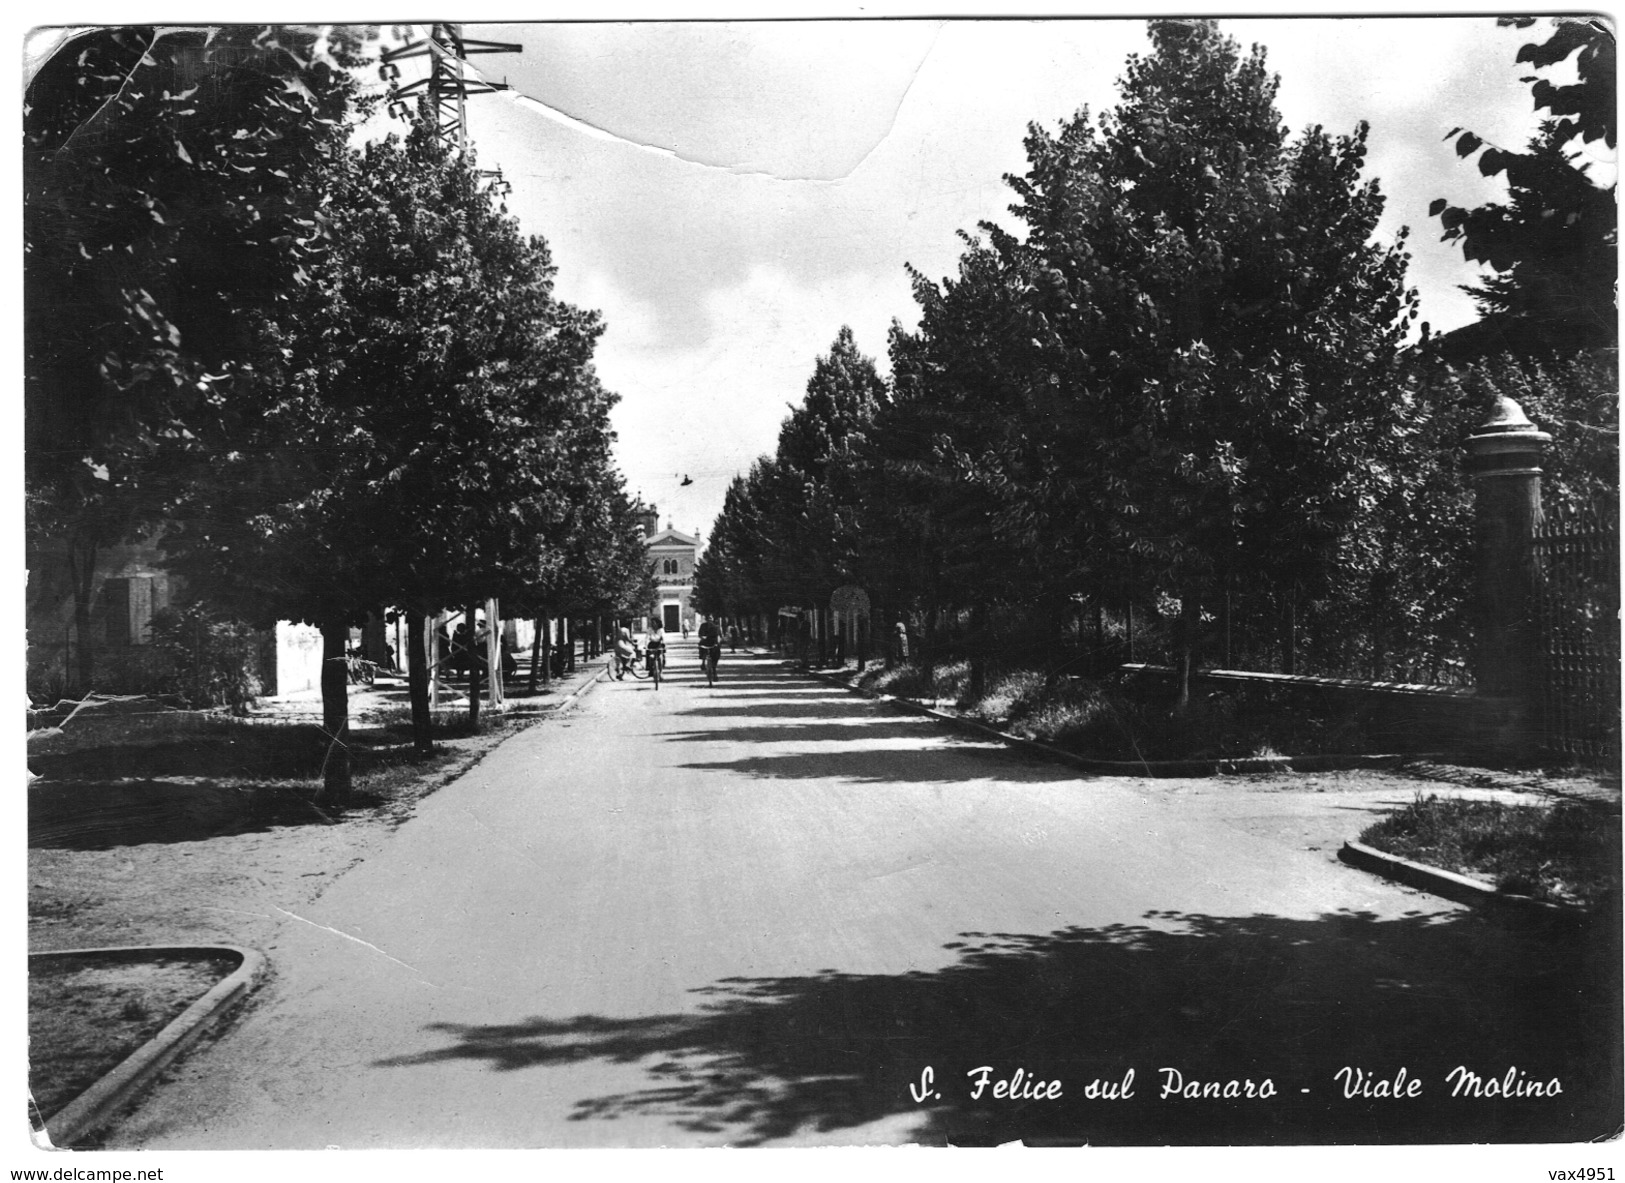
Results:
x,y
655,650
710,647
626,652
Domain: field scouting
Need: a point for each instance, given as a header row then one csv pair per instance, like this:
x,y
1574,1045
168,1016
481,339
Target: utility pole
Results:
x,y
448,87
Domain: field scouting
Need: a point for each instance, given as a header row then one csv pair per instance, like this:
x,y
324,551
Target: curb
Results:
x,y
95,1105
554,708
570,698
1147,768
1464,889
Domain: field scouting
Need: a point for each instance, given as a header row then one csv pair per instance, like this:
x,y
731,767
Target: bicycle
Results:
x,y
643,665
708,662
358,670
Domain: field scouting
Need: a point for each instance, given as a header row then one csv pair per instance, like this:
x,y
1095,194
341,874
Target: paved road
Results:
x,y
756,913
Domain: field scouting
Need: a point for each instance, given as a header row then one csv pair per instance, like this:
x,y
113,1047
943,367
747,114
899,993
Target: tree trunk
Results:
x,y
569,642
978,652
538,625
417,683
473,658
1381,589
82,575
928,654
1190,619
336,713
1289,635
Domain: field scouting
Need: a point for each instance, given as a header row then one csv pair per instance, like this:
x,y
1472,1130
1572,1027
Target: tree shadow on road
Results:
x,y
763,707
730,685
947,759
1217,998
851,731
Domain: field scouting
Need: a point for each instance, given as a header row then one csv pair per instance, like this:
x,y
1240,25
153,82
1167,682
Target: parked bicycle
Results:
x,y
358,669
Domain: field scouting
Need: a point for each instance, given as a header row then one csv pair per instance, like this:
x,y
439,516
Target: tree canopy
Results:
x,y
1553,244
169,206
1182,368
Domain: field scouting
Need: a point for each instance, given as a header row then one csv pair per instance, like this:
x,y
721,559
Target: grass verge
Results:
x,y
1567,852
86,1014
1103,720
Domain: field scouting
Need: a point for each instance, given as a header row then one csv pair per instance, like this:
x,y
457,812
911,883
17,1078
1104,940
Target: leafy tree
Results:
x,y
167,206
1198,335
746,565
817,445
1553,245
419,440
722,575
789,533
947,524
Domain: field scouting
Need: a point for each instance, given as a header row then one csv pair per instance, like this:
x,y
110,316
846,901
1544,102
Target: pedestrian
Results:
x,y
902,641
733,638
442,651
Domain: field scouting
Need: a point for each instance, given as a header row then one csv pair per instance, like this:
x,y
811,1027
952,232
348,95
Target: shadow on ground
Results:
x,y
234,779
851,731
1217,998
945,761
763,706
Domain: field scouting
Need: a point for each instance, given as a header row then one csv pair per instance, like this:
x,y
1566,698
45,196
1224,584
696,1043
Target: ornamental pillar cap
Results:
x,y
1507,444
1508,416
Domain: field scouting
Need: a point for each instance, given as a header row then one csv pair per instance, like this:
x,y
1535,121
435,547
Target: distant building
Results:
x,y
128,586
673,554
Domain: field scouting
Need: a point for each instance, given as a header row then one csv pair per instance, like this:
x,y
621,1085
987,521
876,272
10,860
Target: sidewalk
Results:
x,y
388,700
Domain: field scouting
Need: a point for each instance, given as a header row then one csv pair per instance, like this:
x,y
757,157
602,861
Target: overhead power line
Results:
x,y
448,84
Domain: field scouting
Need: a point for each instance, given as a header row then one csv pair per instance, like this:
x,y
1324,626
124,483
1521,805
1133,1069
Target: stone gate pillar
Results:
x,y
1503,457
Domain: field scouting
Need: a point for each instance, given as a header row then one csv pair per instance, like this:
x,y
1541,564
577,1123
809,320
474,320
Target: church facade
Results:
x,y
673,555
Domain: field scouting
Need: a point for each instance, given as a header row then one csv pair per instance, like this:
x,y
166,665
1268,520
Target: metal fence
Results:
x,y
1576,606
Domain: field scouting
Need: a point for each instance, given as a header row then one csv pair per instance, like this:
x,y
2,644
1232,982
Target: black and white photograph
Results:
x,y
877,579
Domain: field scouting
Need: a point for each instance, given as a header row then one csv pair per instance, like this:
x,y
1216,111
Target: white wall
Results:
x,y
298,657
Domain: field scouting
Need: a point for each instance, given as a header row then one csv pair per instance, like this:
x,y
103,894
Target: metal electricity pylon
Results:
x,y
447,86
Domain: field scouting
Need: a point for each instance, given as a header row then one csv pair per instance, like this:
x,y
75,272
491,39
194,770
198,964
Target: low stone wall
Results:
x,y
1393,716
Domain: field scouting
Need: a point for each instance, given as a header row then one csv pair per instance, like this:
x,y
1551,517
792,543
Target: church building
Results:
x,y
673,554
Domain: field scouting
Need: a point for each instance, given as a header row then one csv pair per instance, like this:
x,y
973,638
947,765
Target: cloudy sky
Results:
x,y
728,194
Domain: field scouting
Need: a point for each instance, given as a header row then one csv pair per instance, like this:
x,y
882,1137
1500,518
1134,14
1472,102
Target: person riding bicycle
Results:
x,y
655,650
710,642
626,651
